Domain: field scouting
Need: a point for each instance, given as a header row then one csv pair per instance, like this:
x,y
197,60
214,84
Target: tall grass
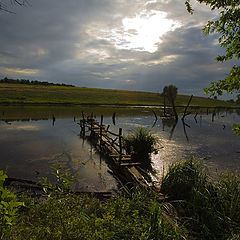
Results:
x,y
140,144
210,210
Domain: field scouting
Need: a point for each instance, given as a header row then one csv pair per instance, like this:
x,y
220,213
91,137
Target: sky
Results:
x,y
140,45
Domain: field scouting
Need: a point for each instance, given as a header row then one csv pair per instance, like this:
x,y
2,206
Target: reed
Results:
x,y
208,209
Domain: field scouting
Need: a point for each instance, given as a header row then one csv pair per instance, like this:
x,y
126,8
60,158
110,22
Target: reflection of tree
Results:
x,y
155,121
238,112
170,123
184,129
213,116
170,92
173,128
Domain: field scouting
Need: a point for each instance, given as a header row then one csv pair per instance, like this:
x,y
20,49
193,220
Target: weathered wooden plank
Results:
x,y
115,150
117,155
130,164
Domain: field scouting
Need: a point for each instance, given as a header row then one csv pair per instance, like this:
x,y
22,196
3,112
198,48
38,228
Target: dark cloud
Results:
x,y
62,41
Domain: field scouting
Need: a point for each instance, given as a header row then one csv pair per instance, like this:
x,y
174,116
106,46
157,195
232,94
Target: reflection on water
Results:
x,y
28,147
198,136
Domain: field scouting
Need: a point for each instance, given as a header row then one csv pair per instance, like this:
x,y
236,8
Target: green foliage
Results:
x,y
133,217
236,129
230,84
9,206
188,6
170,92
198,209
63,182
209,210
140,144
228,28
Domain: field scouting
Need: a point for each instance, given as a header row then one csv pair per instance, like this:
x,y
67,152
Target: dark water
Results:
x,y
29,147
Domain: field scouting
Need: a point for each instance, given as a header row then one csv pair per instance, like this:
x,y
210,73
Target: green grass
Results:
x,y
195,207
140,144
208,209
87,218
64,215
30,94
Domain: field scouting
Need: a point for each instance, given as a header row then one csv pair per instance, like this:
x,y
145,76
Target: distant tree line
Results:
x,y
35,82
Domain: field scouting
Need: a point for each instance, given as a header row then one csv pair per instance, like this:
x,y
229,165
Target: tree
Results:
x,y
5,7
170,92
227,26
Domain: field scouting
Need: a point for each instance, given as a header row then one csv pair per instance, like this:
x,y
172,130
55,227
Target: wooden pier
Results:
x,y
110,144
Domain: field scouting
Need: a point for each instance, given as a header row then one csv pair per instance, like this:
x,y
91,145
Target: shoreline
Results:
x,y
112,105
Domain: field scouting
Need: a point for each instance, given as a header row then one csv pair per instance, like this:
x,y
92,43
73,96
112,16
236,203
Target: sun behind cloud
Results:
x,y
142,32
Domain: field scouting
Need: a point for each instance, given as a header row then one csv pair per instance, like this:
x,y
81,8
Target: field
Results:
x,y
31,94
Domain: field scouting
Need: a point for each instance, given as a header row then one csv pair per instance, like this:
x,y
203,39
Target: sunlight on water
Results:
x,y
28,148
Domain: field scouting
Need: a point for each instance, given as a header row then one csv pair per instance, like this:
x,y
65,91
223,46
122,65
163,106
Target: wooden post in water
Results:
x,y
120,145
164,107
83,124
101,128
213,114
83,118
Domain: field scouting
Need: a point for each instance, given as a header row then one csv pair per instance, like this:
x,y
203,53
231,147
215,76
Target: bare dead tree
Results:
x,y
6,5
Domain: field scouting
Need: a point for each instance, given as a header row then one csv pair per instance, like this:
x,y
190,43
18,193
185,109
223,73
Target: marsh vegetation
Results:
x,y
193,207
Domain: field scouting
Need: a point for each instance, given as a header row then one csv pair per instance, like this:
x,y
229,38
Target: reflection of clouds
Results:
x,y
133,125
28,127
170,152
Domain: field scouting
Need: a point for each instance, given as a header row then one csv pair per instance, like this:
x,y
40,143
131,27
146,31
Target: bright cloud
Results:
x,y
141,33
16,71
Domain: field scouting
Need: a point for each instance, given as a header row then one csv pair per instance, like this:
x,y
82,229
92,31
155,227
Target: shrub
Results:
x,y
9,206
140,144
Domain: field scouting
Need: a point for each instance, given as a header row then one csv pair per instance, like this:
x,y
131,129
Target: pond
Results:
x,y
31,141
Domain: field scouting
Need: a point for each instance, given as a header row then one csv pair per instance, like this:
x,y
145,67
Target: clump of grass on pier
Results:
x,y
140,144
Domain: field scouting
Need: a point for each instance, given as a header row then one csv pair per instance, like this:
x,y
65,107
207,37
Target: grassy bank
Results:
x,y
195,207
31,94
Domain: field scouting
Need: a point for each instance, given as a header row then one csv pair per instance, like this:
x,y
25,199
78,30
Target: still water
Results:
x,y
31,142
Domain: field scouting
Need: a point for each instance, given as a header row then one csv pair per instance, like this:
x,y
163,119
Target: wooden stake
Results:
x,y
120,144
101,127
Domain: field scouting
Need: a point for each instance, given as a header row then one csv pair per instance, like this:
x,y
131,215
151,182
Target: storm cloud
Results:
x,y
116,44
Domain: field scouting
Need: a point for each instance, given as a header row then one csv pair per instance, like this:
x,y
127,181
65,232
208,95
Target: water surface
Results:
x,y
29,146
